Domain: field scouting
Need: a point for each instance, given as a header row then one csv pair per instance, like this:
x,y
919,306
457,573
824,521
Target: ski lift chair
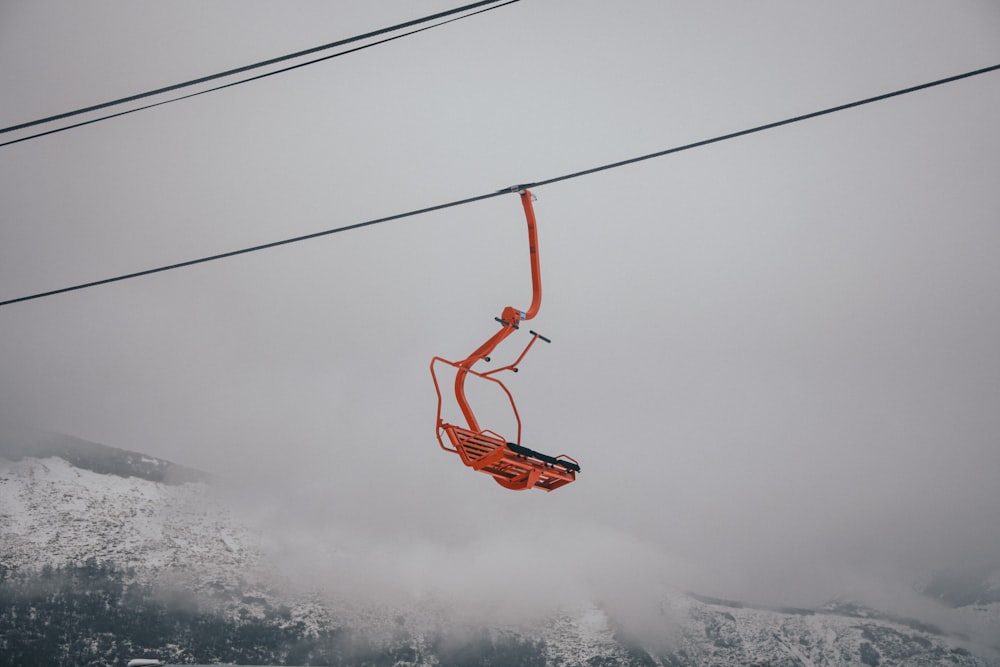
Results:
x,y
511,464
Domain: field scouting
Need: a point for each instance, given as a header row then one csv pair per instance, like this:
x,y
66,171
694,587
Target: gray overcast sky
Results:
x,y
775,357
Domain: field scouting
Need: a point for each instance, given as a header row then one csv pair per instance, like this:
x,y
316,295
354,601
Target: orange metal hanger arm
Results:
x,y
509,319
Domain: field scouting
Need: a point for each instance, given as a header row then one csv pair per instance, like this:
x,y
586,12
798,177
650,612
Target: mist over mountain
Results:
x,y
18,441
976,585
107,554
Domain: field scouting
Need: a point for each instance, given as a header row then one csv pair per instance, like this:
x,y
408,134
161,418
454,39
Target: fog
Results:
x,y
775,357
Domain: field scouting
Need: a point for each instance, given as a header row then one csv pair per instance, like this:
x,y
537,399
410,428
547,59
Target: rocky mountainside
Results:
x,y
106,555
56,514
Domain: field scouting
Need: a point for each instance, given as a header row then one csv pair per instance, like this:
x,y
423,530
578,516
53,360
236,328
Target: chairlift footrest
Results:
x,y
530,453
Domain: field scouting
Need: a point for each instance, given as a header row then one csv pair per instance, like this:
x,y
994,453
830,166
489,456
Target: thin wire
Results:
x,y
767,126
469,200
245,68
263,246
253,78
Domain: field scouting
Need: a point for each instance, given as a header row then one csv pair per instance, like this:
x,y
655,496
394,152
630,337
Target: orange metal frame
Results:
x,y
511,465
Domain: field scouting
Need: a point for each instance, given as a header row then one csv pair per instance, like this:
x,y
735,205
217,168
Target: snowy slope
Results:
x,y
695,631
53,512
719,633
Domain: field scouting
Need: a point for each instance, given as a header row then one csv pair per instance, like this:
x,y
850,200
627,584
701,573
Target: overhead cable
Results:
x,y
761,128
245,68
489,195
263,246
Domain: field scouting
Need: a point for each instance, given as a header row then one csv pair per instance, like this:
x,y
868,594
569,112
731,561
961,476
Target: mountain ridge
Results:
x,y
16,444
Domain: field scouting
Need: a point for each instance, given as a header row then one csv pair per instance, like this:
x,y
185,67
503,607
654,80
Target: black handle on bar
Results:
x,y
535,333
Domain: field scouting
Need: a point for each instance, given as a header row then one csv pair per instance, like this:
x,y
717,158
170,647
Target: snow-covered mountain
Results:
x,y
55,513
92,538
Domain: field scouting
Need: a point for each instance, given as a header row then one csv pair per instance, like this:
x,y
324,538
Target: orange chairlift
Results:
x,y
512,465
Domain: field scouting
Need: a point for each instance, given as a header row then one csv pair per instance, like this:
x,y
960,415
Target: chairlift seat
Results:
x,y
511,465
